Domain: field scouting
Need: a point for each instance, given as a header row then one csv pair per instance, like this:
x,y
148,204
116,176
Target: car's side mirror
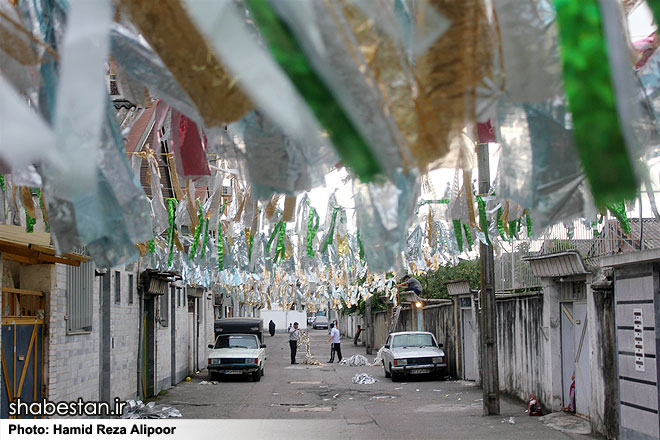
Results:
x,y
441,345
386,346
262,346
210,345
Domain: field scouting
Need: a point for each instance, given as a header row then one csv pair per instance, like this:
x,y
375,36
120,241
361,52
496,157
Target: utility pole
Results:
x,y
489,368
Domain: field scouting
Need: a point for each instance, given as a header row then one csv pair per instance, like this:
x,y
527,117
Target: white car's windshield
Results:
x,y
413,341
236,341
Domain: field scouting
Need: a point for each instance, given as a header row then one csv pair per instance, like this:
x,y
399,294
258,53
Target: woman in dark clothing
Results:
x,y
271,328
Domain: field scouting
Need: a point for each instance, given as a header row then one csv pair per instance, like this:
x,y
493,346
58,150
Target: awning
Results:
x,y
33,248
560,264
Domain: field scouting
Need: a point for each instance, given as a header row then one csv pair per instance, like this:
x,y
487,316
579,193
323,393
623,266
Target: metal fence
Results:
x,y
591,241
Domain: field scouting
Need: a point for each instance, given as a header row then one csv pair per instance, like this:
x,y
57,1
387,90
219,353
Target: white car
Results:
x,y
413,353
320,322
237,354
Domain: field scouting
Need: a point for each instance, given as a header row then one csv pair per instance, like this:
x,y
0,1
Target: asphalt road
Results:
x,y
414,409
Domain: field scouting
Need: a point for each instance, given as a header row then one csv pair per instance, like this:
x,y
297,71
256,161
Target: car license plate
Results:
x,y
419,371
233,372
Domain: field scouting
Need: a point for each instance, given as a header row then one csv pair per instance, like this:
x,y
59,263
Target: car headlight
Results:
x,y
400,362
251,361
437,360
214,361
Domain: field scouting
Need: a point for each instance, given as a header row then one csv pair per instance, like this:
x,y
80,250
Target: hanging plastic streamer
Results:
x,y
618,210
592,101
312,228
539,168
152,246
528,224
348,142
206,236
2,181
360,245
41,206
331,231
468,236
171,207
221,249
459,234
279,232
483,219
198,231
500,224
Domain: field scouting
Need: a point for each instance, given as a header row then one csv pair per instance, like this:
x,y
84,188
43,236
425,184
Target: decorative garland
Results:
x,y
331,233
347,140
312,229
221,253
592,102
198,230
483,219
618,210
468,236
459,234
171,208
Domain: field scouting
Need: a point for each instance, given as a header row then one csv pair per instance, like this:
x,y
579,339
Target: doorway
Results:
x,y
469,367
575,356
105,337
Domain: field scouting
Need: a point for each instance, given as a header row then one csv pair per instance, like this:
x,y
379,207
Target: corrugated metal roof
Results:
x,y
557,265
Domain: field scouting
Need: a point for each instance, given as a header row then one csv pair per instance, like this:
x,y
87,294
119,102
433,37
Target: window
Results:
x,y
178,296
79,296
163,302
130,288
117,287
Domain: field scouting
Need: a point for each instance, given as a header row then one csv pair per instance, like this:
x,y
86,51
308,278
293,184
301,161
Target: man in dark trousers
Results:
x,y
271,328
335,337
357,335
410,284
294,334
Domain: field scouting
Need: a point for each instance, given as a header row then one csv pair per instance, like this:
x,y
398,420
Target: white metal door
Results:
x,y
582,367
567,349
469,370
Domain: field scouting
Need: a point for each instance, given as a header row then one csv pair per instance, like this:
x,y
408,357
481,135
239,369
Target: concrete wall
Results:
x,y
283,318
439,320
520,344
124,337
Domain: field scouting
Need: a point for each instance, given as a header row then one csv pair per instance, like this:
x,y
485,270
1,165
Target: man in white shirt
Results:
x,y
335,337
294,334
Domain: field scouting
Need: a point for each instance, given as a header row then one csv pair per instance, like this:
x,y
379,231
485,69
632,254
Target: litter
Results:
x,y
355,361
417,389
382,397
138,410
437,390
335,396
364,379
512,420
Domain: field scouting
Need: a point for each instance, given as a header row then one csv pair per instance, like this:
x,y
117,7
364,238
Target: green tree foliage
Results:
x,y
433,282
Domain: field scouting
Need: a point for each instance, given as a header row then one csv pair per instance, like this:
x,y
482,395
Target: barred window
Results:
x,y
79,296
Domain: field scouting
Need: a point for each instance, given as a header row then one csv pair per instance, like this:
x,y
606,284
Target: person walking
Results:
x,y
294,334
335,337
357,335
271,328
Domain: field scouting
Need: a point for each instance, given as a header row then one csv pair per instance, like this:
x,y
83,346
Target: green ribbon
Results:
x,y
2,182
528,224
331,233
171,208
459,234
483,220
152,246
360,245
347,140
250,243
592,102
500,224
206,237
221,249
468,236
198,230
279,232
618,210
513,231
312,229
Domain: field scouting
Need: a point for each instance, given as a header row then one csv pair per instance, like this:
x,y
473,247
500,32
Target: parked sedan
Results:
x,y
413,353
320,322
237,354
